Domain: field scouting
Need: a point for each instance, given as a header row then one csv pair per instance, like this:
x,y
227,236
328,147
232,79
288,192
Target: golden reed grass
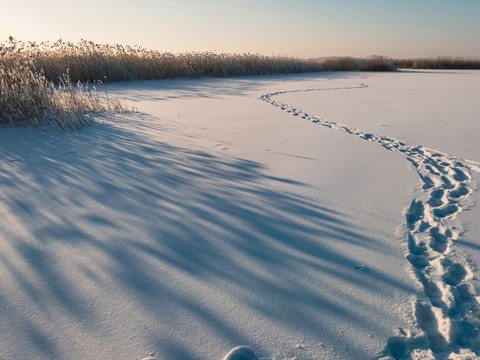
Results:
x,y
28,97
88,61
52,82
44,83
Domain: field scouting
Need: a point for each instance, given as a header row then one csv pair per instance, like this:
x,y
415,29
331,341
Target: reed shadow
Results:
x,y
120,213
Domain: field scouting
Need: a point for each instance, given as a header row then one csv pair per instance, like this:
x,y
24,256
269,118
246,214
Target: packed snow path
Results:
x,y
449,312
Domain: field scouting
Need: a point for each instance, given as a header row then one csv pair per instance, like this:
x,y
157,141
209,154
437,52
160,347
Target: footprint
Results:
x,y
465,294
450,317
460,175
439,241
433,292
455,274
458,193
432,170
445,211
417,150
465,303
368,137
415,213
427,182
428,322
447,184
423,226
440,167
418,261
436,198
398,347
414,248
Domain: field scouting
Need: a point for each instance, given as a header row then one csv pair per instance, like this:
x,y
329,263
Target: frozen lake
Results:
x,y
211,219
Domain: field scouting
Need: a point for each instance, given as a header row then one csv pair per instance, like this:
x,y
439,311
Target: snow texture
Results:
x,y
339,223
449,316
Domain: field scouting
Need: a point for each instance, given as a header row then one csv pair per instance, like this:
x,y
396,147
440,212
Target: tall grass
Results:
x,y
441,62
373,63
49,82
28,72
88,61
28,97
45,82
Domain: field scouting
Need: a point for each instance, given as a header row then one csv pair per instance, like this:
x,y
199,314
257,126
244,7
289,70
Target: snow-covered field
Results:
x,y
339,223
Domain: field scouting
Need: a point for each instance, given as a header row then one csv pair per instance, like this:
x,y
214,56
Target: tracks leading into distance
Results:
x,y
448,311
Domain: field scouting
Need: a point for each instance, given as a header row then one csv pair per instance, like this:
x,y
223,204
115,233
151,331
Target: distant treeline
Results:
x,y
441,63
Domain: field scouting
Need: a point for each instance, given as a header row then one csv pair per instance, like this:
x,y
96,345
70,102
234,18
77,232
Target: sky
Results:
x,y
303,28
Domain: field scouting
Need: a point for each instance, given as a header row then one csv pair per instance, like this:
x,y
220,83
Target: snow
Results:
x,y
212,219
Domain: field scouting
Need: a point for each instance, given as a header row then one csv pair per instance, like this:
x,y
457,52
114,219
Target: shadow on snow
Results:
x,y
108,208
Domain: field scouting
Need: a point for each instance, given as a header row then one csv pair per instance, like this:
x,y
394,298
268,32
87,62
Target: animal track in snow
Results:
x,y
449,312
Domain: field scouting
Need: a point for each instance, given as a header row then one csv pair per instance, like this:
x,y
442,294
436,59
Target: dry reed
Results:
x,y
49,82
88,61
440,63
45,83
27,97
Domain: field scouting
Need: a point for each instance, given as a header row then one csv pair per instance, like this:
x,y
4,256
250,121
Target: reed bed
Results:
x,y
52,82
440,63
55,82
88,61
372,63
28,97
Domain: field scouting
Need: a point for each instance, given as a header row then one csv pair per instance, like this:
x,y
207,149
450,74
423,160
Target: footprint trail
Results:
x,y
448,313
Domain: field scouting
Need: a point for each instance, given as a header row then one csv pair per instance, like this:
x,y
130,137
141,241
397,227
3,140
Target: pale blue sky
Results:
x,y
304,28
